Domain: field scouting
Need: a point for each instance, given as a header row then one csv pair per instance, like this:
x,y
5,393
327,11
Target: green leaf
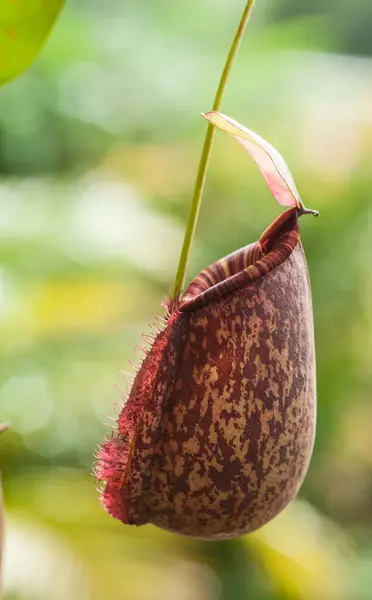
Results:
x,y
24,26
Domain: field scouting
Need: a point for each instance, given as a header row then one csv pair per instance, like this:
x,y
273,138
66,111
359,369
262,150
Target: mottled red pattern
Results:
x,y
218,431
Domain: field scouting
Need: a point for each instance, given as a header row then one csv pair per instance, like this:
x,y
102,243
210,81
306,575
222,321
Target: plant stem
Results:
x,y
206,152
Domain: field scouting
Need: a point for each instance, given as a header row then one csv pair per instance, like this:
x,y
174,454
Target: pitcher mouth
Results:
x,y
252,262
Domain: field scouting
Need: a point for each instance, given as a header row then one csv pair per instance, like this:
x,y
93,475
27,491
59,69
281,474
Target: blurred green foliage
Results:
x,y
100,141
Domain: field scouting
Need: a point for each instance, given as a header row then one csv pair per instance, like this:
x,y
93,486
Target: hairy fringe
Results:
x,y
110,454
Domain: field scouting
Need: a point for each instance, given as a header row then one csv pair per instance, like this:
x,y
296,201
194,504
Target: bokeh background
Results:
x,y
99,145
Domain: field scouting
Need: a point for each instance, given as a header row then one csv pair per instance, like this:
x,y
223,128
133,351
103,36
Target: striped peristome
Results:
x,y
222,270
246,264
